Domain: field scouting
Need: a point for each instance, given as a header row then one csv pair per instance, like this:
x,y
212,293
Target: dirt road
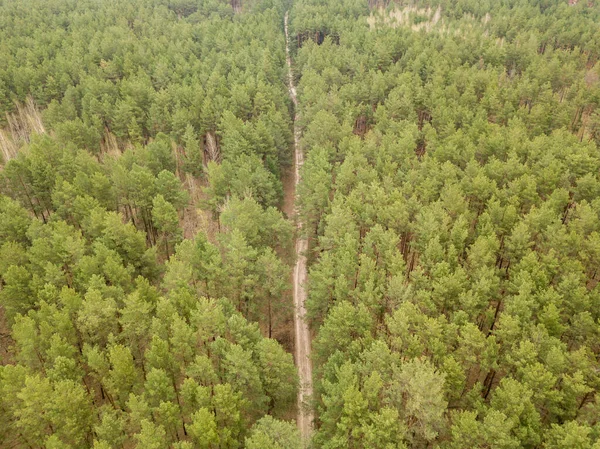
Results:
x,y
302,346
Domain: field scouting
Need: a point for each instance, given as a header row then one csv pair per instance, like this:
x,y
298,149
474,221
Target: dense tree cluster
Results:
x,y
130,71
451,195
125,334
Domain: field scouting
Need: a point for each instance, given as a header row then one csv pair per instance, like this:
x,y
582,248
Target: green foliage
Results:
x,y
122,332
449,197
269,433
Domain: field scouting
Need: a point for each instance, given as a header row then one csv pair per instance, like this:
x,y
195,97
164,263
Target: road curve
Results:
x,y
302,333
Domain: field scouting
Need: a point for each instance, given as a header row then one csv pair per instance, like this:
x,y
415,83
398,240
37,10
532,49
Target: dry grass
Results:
x,y
109,146
8,148
212,148
194,219
429,20
397,17
6,342
22,124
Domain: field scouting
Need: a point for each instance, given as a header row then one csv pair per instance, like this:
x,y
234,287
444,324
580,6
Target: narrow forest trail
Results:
x,y
302,346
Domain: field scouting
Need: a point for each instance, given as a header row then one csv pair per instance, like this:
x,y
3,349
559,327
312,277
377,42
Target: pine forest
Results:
x,y
300,224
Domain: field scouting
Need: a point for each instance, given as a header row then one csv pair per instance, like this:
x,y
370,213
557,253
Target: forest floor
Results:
x,y
302,333
288,178
6,342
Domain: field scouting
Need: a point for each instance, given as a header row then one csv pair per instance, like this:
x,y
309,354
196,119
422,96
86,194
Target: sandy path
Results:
x,y
302,333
